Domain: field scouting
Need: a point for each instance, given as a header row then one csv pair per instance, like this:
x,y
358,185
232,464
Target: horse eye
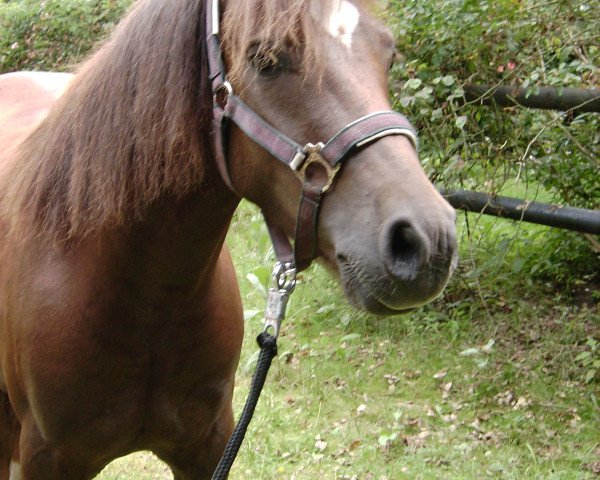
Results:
x,y
269,63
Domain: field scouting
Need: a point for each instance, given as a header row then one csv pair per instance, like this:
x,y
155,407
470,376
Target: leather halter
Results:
x,y
316,165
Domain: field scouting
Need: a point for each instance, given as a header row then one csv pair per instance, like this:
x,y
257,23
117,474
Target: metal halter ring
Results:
x,y
313,156
222,93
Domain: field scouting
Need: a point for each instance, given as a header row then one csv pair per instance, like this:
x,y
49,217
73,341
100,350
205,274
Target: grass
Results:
x,y
484,383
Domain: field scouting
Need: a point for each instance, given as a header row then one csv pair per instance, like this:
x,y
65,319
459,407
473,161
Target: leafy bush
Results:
x,y
539,155
54,34
450,43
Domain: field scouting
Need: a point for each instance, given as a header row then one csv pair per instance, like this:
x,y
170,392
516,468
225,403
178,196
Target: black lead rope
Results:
x,y
284,276
268,351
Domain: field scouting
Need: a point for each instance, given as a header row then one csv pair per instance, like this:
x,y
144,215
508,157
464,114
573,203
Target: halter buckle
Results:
x,y
305,170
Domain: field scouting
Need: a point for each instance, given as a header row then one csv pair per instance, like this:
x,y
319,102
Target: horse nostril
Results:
x,y
405,250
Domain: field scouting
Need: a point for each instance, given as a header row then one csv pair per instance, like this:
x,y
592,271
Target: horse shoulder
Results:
x,y
25,100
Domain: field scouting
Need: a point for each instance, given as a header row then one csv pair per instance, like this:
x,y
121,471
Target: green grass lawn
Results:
x,y
488,382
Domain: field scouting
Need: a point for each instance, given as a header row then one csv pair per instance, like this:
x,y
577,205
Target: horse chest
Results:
x,y
112,363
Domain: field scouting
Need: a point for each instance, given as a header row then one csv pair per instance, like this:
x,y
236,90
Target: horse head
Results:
x,y
312,69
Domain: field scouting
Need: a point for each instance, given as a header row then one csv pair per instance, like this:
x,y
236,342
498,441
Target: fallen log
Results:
x,y
548,98
577,219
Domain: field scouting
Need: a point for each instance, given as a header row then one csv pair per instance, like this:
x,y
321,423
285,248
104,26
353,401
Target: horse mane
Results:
x,y
133,126
127,130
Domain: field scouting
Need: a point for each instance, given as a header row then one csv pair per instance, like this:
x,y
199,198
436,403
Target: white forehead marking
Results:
x,y
343,21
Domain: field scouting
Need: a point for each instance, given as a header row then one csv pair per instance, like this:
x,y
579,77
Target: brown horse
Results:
x,y
120,316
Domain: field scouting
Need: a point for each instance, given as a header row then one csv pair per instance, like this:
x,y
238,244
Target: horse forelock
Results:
x,y
133,126
276,25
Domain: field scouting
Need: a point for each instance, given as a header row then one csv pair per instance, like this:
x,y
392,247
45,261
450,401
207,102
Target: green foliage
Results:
x,y
54,34
450,43
590,360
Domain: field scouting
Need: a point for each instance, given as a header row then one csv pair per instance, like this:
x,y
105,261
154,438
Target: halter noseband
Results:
x,y
316,165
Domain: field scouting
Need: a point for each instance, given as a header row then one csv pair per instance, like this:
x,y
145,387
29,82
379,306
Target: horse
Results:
x,y
120,316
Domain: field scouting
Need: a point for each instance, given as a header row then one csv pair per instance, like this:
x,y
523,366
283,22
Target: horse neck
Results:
x,y
180,239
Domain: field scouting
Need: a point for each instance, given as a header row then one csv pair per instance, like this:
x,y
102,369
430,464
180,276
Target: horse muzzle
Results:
x,y
410,266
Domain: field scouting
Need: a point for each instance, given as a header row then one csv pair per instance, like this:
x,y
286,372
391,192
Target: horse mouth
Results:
x,y
381,295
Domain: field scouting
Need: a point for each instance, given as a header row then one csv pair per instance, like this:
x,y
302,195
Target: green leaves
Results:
x,y
589,359
55,34
449,43
461,121
413,84
448,80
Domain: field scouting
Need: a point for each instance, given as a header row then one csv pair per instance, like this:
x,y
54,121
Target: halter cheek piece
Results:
x,y
316,165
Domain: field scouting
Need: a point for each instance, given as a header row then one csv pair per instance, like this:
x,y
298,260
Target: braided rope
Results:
x,y
268,351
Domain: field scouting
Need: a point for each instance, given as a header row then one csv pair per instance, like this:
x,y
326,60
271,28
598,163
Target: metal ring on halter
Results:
x,y
222,93
313,155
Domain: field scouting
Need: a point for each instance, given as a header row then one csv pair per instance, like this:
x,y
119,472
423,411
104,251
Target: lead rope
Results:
x,y
284,278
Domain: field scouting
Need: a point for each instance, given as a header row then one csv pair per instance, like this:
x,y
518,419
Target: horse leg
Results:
x,y
5,440
41,461
9,440
199,459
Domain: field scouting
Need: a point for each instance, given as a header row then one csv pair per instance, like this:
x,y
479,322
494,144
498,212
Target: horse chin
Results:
x,y
364,299
378,294
372,305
